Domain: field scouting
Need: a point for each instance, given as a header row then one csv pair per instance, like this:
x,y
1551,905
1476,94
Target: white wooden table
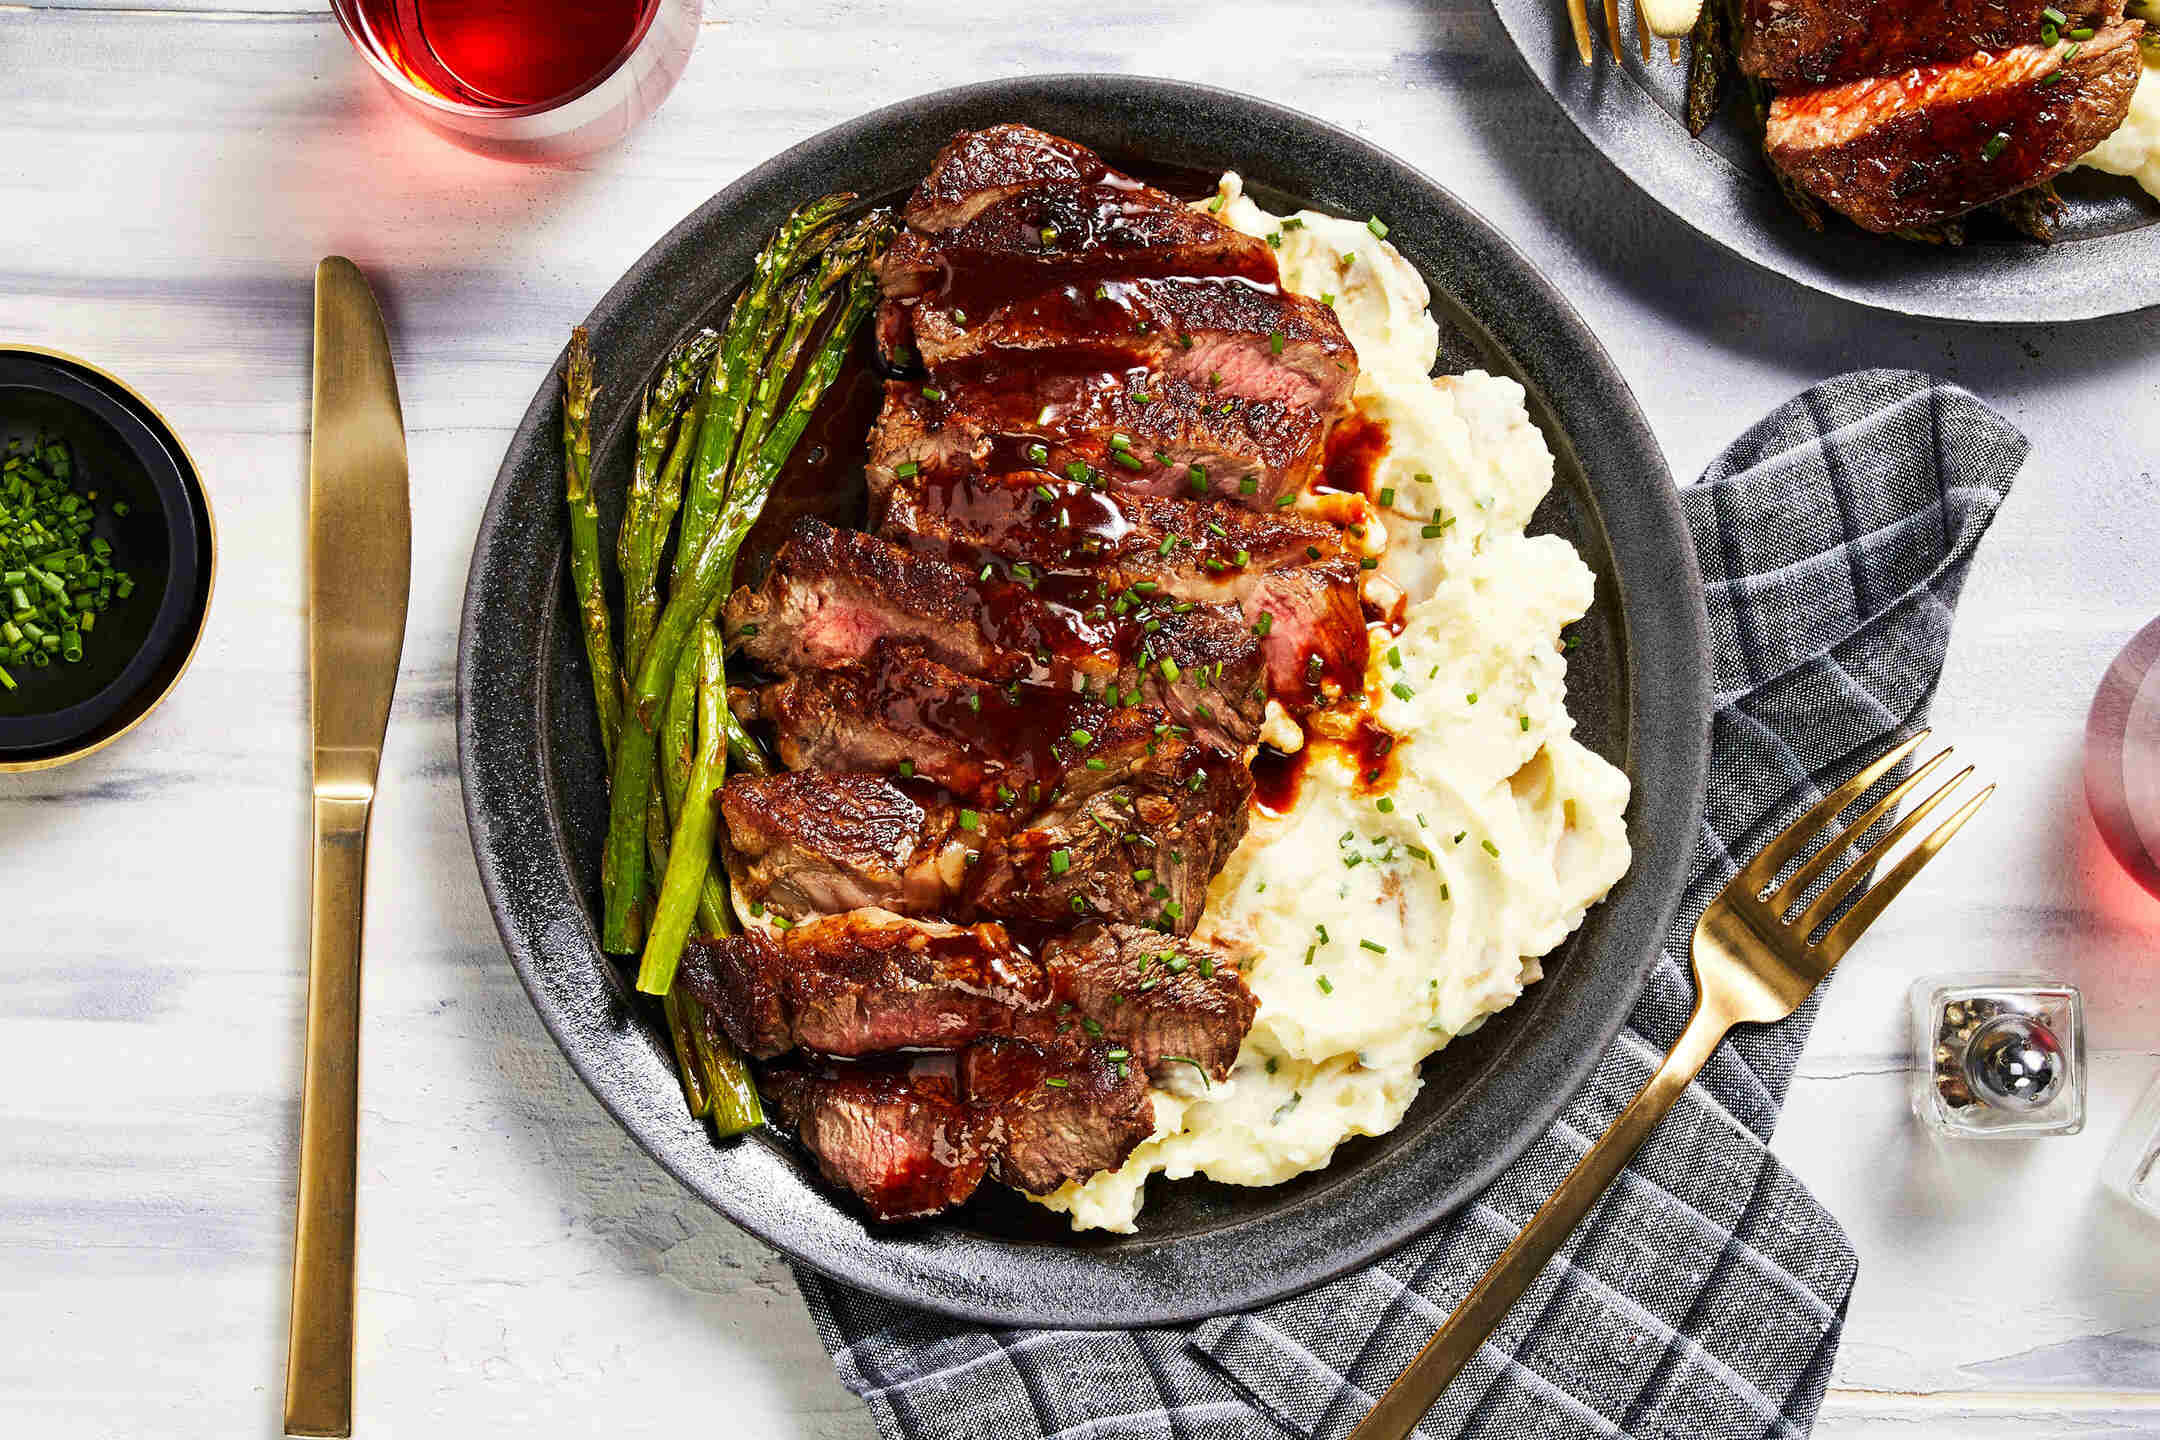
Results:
x,y
168,177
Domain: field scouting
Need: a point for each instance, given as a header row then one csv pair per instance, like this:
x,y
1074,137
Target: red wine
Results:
x,y
2122,758
501,54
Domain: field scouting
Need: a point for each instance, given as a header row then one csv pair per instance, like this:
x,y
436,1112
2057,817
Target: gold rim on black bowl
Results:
x,y
141,455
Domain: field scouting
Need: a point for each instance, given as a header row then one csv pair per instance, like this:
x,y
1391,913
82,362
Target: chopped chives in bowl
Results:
x,y
56,576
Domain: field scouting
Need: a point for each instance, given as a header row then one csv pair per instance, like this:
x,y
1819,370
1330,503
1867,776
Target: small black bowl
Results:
x,y
123,450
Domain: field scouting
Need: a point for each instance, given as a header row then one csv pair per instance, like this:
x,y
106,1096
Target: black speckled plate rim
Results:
x,y
1983,284
1145,1280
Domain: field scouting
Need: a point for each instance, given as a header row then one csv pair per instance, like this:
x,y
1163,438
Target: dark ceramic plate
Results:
x,y
2106,261
533,781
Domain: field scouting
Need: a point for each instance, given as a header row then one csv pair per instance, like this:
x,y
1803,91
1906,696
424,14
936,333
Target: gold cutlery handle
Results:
x,y
319,1362
1400,1410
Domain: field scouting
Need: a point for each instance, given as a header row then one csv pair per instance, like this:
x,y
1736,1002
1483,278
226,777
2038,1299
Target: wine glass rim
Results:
x,y
355,31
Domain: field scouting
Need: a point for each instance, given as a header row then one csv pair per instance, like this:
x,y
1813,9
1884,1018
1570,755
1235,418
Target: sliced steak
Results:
x,y
1228,335
820,843
831,596
1176,1004
1065,232
901,1142
1141,850
1096,420
1311,623
980,167
1818,42
863,983
1007,210
1933,142
1061,1112
1003,749
1052,526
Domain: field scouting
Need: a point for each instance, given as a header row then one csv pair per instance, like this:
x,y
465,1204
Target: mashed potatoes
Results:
x,y
1379,919
2134,148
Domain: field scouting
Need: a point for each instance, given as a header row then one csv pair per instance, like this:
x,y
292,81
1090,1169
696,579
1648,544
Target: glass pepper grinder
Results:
x,y
1998,1056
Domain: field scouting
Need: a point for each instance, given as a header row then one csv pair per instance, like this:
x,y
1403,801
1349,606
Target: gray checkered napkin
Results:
x,y
1703,1299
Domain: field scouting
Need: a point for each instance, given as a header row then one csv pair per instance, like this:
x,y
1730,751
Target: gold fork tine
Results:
x,y
1642,33
1787,895
1612,27
1882,892
1579,16
1824,904
1759,872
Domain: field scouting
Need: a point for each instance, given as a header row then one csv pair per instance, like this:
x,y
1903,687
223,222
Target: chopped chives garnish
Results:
x,y
1997,143
906,468
1325,987
969,820
1378,228
1370,945
1060,861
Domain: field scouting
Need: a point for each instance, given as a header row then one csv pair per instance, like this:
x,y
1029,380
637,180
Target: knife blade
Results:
x,y
360,573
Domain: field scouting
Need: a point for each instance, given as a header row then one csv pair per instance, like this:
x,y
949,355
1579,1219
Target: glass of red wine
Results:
x,y
2122,758
526,79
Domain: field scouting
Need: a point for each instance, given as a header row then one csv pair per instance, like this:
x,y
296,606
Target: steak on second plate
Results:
x,y
1820,42
1930,143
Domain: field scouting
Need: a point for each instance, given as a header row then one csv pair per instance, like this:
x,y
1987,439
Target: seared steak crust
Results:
x,y
1239,339
1177,1004
1929,143
1181,437
817,843
977,168
1062,1111
1056,527
832,596
1141,850
863,983
1820,42
902,1142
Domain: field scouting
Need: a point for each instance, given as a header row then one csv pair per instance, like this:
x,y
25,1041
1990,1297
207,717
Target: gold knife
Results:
x,y
360,569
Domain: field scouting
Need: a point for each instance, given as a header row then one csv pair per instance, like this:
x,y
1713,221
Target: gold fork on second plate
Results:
x,y
1753,964
1670,19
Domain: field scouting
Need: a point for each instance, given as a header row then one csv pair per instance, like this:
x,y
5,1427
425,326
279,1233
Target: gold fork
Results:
x,y
1670,19
1752,964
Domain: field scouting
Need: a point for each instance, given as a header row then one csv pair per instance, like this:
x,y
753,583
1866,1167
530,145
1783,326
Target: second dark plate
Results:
x,y
2107,261
534,790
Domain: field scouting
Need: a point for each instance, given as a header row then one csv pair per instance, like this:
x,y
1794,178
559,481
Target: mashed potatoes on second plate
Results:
x,y
1380,917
